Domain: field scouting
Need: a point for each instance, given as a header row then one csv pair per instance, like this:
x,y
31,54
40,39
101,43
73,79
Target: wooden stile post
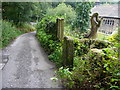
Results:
x,y
64,53
60,28
68,52
68,46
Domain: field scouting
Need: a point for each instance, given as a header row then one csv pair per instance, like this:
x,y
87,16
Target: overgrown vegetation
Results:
x,y
46,34
82,20
93,68
92,71
17,12
16,20
66,11
9,33
96,63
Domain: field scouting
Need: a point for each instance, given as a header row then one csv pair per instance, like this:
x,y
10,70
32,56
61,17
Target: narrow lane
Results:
x,y
28,65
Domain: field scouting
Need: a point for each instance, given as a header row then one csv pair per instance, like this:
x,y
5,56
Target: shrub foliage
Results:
x,y
96,63
46,34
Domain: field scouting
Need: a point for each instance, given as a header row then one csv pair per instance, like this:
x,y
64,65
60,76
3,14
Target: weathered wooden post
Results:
x,y
68,46
68,52
60,28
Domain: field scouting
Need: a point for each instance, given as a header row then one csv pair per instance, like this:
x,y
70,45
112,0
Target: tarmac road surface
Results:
x,y
27,65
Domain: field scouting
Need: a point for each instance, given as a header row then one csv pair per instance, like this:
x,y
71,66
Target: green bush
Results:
x,y
82,46
95,66
46,35
17,12
83,18
56,56
92,70
9,33
66,11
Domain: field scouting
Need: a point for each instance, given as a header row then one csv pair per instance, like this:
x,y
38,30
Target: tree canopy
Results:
x,y
74,13
63,10
17,12
83,11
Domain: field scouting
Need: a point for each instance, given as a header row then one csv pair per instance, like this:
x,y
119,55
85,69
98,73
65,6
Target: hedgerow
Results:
x,y
46,34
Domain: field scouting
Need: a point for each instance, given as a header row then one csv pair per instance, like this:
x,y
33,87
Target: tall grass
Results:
x,y
8,33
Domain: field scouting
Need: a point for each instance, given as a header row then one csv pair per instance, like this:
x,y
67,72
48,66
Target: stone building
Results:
x,y
111,17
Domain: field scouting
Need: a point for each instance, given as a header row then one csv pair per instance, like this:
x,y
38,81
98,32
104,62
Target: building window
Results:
x,y
108,22
105,21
